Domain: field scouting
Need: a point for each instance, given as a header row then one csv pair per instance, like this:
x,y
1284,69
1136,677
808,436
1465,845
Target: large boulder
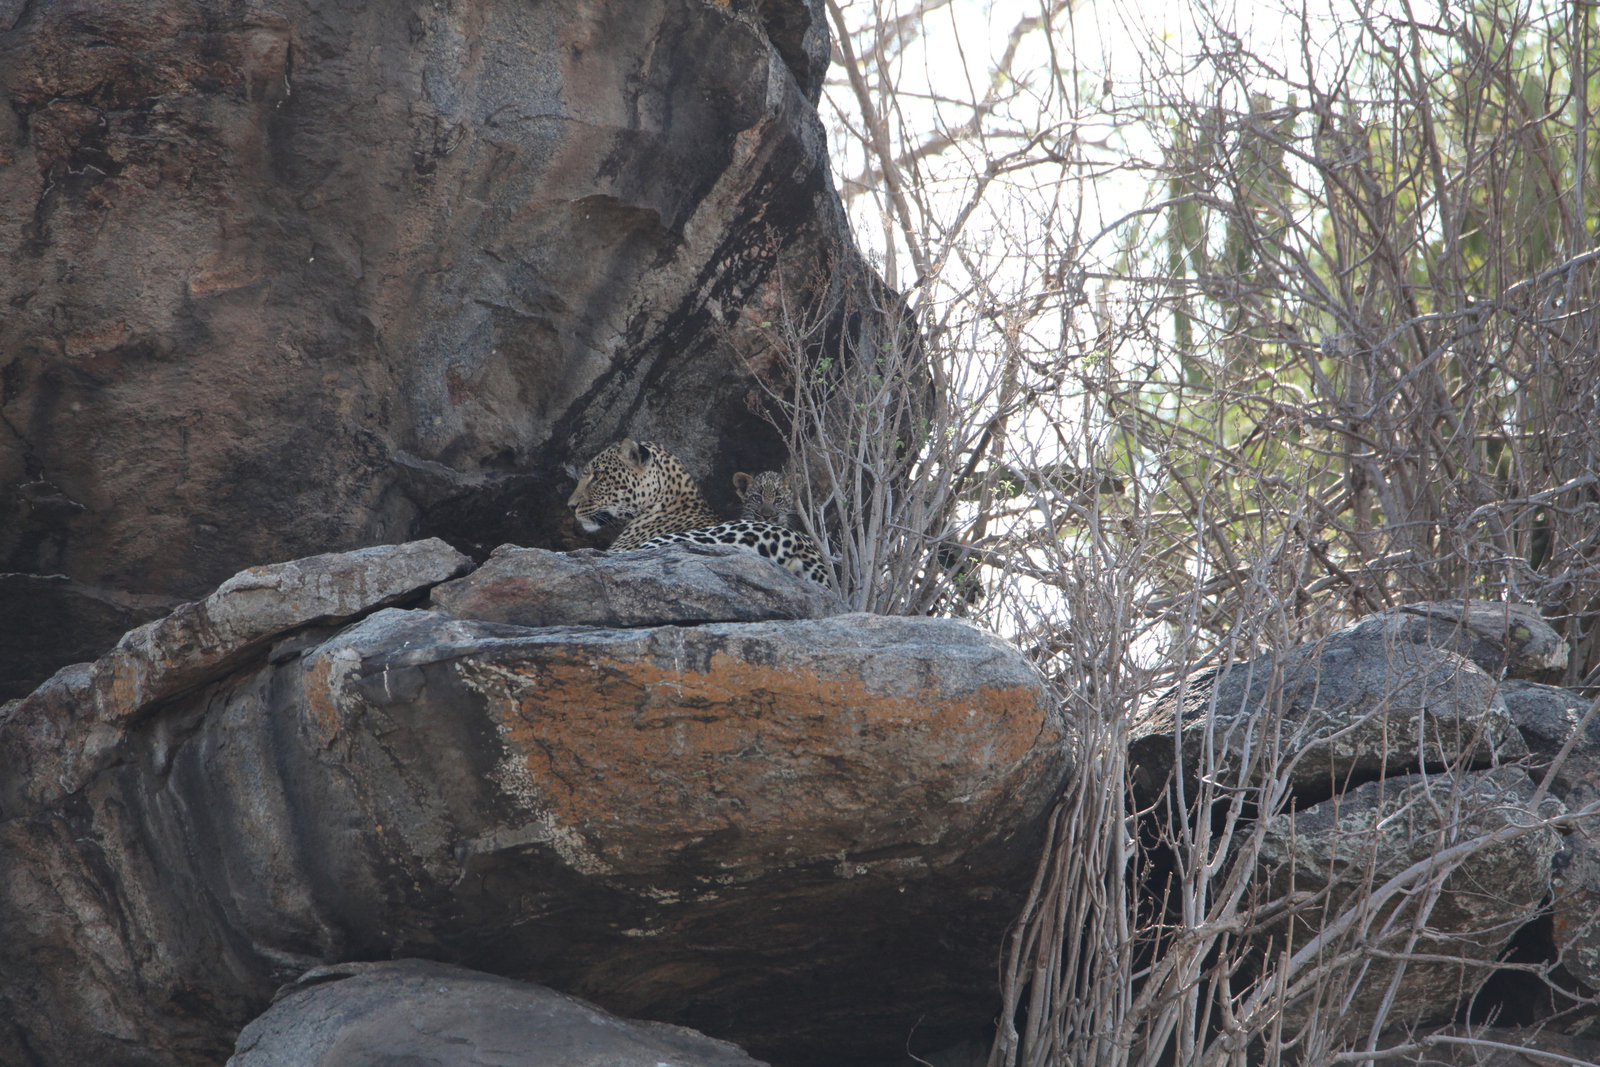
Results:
x,y
311,276
805,836
416,1012
1366,701
1376,747
1507,640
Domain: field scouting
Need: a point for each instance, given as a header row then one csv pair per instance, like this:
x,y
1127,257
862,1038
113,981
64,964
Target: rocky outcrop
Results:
x,y
416,1011
1389,744
805,835
302,278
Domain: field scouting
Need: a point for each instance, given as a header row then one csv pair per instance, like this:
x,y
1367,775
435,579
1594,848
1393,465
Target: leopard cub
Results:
x,y
766,497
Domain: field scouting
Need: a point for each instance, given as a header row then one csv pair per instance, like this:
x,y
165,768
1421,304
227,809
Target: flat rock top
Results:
x,y
804,834
417,1011
686,584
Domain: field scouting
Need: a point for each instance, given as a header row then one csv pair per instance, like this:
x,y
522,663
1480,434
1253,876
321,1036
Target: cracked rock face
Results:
x,y
804,836
1397,742
305,277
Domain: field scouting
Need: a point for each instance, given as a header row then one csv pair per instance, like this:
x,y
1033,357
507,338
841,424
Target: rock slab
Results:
x,y
679,584
52,741
416,1012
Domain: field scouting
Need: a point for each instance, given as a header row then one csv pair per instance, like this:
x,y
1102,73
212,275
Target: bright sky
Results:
x,y
1118,45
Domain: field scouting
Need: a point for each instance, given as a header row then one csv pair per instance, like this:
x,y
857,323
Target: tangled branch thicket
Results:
x,y
1338,351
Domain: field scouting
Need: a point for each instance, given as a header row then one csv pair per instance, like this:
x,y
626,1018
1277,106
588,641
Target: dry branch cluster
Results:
x,y
1336,350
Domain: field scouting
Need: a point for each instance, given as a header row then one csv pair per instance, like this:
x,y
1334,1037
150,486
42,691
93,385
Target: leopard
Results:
x,y
648,489
641,486
766,497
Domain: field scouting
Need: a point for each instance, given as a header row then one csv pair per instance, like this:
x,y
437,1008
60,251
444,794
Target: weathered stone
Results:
x,y
805,836
1360,703
415,1011
1359,841
1492,1046
1506,640
52,741
310,276
1547,717
682,584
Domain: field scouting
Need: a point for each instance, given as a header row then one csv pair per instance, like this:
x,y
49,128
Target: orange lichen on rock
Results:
x,y
646,758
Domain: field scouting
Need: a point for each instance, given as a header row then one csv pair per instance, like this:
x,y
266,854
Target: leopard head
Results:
x,y
612,486
768,496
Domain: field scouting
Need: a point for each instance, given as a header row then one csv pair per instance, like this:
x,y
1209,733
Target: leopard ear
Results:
x,y
741,484
634,454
